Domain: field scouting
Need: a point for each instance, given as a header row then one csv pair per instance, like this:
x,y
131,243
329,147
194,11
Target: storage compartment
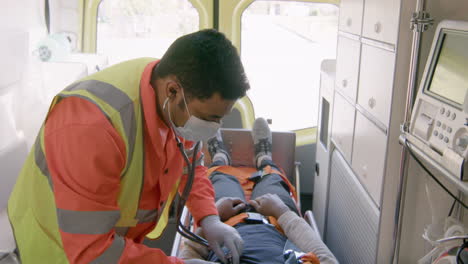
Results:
x,y
347,68
376,82
369,151
381,20
343,126
351,16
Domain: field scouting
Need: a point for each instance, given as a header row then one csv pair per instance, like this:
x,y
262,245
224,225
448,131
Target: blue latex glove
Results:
x,y
219,234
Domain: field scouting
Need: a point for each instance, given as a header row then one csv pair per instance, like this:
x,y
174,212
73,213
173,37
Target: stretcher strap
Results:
x,y
240,218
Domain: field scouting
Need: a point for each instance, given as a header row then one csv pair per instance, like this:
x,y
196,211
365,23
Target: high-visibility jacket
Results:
x,y
100,173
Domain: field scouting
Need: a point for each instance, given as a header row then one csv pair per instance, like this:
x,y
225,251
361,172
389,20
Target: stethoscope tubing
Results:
x,y
184,231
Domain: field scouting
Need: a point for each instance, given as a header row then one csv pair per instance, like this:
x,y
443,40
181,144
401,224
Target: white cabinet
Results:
x,y
376,82
381,20
343,125
369,150
351,16
347,69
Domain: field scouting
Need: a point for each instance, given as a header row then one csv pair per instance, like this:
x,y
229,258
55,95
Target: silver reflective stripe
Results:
x,y
40,160
112,253
146,216
87,222
119,101
121,230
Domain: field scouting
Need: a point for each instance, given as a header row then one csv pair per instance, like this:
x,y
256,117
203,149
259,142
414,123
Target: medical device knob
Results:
x,y
462,142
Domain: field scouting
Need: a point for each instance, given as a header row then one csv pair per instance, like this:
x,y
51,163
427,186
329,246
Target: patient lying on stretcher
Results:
x,y
260,208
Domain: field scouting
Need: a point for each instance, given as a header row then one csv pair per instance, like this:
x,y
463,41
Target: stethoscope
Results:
x,y
181,228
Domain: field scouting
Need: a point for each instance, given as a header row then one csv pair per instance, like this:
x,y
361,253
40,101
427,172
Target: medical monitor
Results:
x,y
448,74
439,121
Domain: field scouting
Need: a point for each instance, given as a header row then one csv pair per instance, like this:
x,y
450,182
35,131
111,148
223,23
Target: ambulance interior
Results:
x,y
368,98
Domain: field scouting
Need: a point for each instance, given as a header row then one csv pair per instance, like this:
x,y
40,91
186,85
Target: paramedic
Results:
x,y
106,161
263,243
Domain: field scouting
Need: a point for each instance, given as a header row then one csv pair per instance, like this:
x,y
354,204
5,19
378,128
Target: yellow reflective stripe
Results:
x,y
164,217
39,158
119,101
87,222
113,253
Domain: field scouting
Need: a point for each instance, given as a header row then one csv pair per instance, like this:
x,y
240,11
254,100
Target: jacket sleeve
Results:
x,y
201,201
303,236
85,156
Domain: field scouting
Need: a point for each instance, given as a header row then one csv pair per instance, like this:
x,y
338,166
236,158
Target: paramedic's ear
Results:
x,y
172,89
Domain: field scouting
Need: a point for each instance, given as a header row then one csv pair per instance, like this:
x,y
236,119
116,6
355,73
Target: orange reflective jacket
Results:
x,y
85,158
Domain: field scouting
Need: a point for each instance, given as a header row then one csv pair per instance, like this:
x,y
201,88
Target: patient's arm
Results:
x,y
295,228
303,236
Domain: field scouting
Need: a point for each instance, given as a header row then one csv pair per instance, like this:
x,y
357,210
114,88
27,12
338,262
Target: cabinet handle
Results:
x,y
364,171
372,102
378,27
349,22
344,83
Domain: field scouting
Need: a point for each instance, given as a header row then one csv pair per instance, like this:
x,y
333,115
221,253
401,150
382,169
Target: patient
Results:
x,y
263,242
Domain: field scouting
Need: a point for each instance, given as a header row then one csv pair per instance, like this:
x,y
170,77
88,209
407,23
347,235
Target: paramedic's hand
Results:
x,y
229,207
197,261
219,234
269,204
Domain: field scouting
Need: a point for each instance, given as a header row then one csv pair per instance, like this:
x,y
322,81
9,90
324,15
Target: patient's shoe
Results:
x,y
262,138
217,150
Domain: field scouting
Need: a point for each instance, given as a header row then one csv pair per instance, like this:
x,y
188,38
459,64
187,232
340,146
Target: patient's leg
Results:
x,y
273,183
226,186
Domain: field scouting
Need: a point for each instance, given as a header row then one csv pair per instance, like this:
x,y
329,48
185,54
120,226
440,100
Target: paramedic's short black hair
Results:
x,y
204,62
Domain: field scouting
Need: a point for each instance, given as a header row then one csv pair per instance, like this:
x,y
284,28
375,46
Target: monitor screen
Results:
x,y
450,71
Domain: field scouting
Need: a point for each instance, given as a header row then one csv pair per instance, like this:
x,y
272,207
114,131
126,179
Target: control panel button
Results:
x,y
435,133
438,123
447,113
446,139
441,136
453,116
449,129
442,111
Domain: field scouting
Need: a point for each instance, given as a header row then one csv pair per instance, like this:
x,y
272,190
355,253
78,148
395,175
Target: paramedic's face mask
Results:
x,y
210,110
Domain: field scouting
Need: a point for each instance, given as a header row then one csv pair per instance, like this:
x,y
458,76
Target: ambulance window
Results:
x,y
282,46
130,29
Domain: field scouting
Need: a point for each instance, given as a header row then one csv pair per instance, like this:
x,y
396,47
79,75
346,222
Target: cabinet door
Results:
x,y
343,126
347,68
376,82
381,20
351,16
369,150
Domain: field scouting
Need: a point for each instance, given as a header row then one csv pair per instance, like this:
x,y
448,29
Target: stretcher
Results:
x,y
239,144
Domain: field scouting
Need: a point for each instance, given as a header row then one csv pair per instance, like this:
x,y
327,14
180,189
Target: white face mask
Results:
x,y
195,129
